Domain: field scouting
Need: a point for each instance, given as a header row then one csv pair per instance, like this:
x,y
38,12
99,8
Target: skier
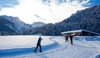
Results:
x,y
38,44
66,38
71,39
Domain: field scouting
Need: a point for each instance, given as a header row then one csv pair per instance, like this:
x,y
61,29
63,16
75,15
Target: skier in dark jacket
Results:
x,y
38,44
66,39
71,39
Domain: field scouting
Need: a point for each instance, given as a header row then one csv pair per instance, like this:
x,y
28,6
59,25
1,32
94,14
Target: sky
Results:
x,y
47,11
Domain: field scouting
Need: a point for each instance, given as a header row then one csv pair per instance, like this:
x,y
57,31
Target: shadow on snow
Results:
x,y
20,51
98,56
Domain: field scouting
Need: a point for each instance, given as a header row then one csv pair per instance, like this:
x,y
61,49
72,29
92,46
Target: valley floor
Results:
x,y
52,47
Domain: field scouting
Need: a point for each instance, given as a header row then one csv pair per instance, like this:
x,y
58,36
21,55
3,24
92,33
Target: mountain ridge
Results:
x,y
37,24
88,19
13,23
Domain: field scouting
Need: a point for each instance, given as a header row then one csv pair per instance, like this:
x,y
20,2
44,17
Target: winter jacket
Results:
x,y
71,35
66,37
39,41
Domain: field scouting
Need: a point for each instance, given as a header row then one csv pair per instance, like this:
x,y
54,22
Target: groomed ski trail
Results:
x,y
22,51
60,49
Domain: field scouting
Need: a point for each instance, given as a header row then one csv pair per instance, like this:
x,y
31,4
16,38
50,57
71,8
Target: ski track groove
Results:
x,y
57,46
21,51
90,45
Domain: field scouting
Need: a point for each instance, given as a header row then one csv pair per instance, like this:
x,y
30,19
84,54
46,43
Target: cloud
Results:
x,y
41,19
10,5
85,1
50,10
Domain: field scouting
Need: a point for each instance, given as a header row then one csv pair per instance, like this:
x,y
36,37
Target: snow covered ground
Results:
x,y
52,47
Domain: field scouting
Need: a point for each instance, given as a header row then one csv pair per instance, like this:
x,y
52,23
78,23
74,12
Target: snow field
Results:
x,y
10,42
52,47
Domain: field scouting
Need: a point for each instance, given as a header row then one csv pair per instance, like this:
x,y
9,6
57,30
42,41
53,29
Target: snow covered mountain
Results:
x,y
88,19
13,23
38,24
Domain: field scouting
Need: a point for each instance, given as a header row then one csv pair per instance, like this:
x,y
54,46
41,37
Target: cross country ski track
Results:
x,y
58,49
21,51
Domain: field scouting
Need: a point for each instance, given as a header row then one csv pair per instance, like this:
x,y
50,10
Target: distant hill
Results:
x,y
4,27
12,24
37,24
88,19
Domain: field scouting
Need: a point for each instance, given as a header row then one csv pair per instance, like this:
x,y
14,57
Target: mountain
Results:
x,y
37,24
4,27
88,19
12,24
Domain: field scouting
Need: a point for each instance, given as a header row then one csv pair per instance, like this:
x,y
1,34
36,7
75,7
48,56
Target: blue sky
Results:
x,y
94,2
8,3
48,11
